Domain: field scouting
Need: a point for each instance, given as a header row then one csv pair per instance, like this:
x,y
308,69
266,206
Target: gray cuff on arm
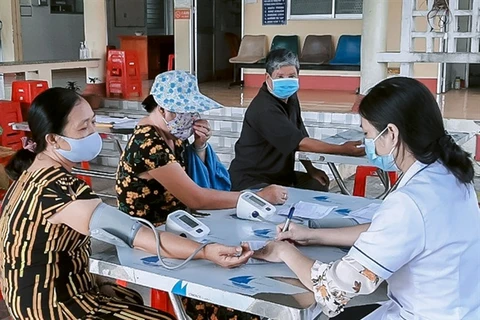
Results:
x,y
113,226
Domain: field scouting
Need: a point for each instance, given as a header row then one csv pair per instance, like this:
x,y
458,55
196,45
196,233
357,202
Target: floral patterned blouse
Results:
x,y
147,150
335,283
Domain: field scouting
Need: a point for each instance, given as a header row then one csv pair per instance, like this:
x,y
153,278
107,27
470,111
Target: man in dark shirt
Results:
x,y
273,131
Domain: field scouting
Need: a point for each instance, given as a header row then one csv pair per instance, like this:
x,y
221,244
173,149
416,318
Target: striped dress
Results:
x,y
44,267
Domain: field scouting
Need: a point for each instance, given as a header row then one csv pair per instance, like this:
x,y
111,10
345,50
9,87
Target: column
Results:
x,y
374,40
9,36
184,37
95,25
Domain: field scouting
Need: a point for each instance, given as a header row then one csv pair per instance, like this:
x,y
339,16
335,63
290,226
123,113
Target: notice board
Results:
x,y
274,12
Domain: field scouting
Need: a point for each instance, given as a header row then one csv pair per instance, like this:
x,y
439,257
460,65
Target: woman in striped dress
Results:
x,y
45,217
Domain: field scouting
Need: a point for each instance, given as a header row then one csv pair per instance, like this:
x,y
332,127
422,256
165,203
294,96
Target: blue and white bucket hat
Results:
x,y
177,91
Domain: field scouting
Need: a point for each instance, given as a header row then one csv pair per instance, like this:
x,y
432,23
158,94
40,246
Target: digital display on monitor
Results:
x,y
257,201
188,221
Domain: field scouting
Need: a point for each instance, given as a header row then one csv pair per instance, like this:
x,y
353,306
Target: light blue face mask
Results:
x,y
284,88
386,162
84,149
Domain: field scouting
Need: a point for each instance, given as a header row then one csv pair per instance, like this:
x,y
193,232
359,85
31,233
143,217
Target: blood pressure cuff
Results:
x,y
110,225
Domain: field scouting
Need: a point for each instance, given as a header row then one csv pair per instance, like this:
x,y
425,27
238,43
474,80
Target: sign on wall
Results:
x,y
182,14
274,12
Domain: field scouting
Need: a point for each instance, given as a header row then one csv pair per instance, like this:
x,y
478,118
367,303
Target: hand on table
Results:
x,y
352,148
295,233
274,194
202,132
227,257
273,251
319,175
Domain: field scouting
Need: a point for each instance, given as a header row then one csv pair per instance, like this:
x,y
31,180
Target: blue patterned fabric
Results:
x,y
177,91
212,174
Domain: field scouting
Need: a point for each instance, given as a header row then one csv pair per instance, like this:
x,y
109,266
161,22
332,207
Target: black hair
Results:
x,y
47,114
149,104
281,57
408,104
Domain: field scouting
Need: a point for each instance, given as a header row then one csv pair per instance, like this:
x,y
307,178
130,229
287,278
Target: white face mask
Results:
x,y
83,149
181,127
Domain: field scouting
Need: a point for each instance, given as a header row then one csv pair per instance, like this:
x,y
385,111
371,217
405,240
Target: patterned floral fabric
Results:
x,y
177,91
145,151
334,284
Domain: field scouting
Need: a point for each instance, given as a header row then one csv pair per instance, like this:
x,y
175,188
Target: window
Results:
x,y
66,6
325,9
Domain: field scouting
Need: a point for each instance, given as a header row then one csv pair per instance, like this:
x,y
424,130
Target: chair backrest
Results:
x,y
317,49
253,46
233,42
348,50
285,42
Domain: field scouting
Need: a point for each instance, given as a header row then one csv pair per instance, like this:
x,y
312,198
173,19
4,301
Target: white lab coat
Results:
x,y
425,241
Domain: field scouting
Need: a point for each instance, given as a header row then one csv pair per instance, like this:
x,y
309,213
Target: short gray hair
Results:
x,y
281,58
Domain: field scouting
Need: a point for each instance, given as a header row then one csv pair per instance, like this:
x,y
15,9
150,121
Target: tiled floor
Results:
x,y
312,100
460,104
455,104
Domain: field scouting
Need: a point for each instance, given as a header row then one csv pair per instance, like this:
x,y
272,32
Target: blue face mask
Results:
x,y
284,88
386,162
84,149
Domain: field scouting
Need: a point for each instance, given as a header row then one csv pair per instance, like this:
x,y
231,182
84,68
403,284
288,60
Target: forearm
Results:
x,y
341,237
318,146
215,199
202,154
200,151
334,284
307,164
300,264
172,246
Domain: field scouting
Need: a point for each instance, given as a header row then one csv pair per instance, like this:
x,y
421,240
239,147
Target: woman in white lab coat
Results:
x,y
424,240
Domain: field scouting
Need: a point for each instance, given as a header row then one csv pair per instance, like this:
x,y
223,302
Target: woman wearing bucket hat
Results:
x,y
151,178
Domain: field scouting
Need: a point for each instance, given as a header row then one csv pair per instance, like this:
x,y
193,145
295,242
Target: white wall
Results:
x,y
141,9
47,36
113,32
6,35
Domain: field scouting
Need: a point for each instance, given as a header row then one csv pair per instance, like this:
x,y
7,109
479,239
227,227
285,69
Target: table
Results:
x,y
357,135
268,290
42,69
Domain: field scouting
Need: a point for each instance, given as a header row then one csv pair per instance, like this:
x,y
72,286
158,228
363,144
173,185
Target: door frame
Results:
x,y
193,39
193,36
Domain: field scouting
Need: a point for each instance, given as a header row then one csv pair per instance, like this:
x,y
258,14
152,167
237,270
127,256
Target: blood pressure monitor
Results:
x,y
252,207
184,224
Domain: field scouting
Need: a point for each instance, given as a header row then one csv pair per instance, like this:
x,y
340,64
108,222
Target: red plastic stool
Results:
x,y
11,113
123,74
171,59
85,165
159,299
361,174
25,91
